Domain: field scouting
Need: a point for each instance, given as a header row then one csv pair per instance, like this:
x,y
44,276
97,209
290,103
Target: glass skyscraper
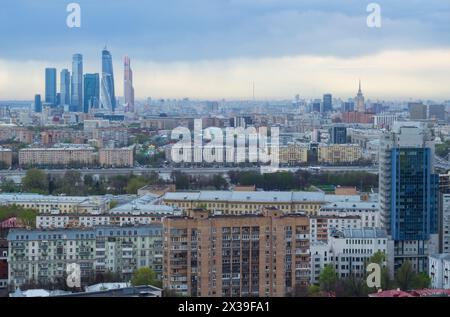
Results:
x,y
91,92
65,87
50,86
108,96
76,100
37,103
408,192
327,103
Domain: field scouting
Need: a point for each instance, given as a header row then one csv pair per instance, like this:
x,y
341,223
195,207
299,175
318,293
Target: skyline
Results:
x,y
217,49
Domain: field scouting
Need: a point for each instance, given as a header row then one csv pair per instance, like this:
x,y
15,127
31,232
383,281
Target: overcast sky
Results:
x,y
217,48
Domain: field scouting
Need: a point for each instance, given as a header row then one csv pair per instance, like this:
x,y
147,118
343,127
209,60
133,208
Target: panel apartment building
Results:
x,y
43,255
264,254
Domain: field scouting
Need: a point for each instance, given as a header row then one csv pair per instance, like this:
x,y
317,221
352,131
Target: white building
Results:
x,y
320,256
445,224
439,270
368,211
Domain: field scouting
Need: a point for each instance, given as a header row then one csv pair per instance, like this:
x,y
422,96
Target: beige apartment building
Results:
x,y
6,156
57,156
247,255
123,157
339,153
293,154
252,202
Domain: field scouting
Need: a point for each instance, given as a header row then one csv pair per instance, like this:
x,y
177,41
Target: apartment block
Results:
x,y
339,153
6,156
253,202
293,154
57,156
264,254
439,270
43,255
123,157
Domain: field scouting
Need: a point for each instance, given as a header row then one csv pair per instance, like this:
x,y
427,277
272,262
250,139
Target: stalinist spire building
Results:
x,y
359,100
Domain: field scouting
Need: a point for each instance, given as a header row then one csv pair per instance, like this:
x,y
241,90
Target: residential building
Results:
x,y
6,156
339,153
368,211
264,254
57,156
293,154
43,255
123,157
439,270
417,111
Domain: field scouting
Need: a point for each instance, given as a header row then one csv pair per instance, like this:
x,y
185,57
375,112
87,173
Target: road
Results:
x,y
193,171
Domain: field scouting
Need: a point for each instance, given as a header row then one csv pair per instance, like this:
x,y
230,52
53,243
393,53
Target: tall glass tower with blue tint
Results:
x,y
37,104
50,86
409,191
65,87
76,98
91,92
108,96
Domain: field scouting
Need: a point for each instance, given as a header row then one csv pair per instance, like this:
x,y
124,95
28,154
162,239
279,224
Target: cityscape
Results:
x,y
182,172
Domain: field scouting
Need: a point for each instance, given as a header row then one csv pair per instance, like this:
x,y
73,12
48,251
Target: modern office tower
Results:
x,y
436,112
264,254
65,87
408,193
91,92
348,106
316,106
108,96
50,86
417,111
37,103
359,100
128,85
76,100
327,103
338,135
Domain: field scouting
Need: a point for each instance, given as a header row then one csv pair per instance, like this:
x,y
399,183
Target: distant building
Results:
x,y
293,154
417,111
6,156
91,92
128,85
57,156
437,112
338,135
327,103
3,263
107,92
76,99
357,117
359,100
37,104
65,87
348,106
123,157
339,153
50,86
384,121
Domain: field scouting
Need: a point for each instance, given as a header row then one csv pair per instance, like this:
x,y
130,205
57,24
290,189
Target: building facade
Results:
x,y
249,255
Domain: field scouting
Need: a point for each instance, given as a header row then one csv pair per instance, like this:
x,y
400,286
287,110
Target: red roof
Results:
x,y
414,293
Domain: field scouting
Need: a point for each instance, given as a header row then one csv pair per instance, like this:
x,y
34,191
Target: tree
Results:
x,y
314,291
134,184
422,281
328,278
8,186
145,276
354,287
35,181
405,276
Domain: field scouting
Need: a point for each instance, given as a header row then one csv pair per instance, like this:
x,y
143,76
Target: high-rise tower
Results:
x,y
76,102
91,92
108,96
65,87
50,86
408,190
359,100
128,85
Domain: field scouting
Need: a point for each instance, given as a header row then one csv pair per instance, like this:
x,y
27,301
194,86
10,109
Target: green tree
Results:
x,y
422,280
8,186
145,276
35,181
328,278
314,291
405,277
134,184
